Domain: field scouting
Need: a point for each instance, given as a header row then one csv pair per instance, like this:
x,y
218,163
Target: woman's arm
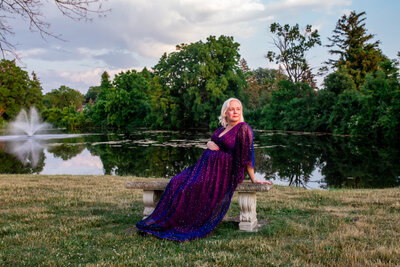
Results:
x,y
250,171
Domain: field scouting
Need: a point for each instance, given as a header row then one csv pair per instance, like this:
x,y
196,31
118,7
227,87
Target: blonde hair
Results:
x,y
222,118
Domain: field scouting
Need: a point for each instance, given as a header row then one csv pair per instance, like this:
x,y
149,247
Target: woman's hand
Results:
x,y
250,171
258,181
212,146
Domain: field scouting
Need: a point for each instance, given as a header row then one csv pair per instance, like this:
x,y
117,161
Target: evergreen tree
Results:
x,y
350,41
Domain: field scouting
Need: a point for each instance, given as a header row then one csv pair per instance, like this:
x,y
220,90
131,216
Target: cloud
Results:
x,y
118,59
137,32
149,28
80,80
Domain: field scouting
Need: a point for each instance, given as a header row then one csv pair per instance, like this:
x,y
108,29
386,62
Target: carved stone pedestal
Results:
x,y
248,214
150,200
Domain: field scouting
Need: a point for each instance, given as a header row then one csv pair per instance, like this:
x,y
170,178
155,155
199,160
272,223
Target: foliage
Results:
x,y
293,45
261,82
290,107
349,41
323,105
95,112
372,111
150,161
345,111
66,152
92,94
253,90
268,78
194,81
124,103
67,117
17,90
127,105
380,114
63,97
339,81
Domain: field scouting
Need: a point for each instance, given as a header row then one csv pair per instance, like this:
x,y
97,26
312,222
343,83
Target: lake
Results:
x,y
306,160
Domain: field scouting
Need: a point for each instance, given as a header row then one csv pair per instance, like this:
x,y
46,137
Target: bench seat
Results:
x,y
153,189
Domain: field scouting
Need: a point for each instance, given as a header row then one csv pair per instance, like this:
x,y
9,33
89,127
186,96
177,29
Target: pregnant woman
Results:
x,y
197,199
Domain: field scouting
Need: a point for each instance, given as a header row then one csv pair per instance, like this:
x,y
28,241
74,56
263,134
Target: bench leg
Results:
x,y
150,200
248,214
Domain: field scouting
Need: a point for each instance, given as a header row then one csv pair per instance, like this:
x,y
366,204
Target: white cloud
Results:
x,y
80,80
137,32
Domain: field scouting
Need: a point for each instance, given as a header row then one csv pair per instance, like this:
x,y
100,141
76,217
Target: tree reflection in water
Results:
x,y
22,157
292,159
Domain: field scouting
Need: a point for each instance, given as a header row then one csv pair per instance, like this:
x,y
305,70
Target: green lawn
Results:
x,y
71,220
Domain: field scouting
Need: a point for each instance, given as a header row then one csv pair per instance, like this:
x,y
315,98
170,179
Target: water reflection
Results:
x,y
21,157
297,160
29,152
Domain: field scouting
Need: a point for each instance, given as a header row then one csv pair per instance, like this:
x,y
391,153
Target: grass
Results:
x,y
84,220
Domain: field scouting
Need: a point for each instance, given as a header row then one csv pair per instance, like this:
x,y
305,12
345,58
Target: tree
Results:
x,y
252,91
124,103
194,82
92,94
292,47
127,105
290,108
260,82
63,97
32,11
339,81
96,113
380,112
17,90
268,77
350,42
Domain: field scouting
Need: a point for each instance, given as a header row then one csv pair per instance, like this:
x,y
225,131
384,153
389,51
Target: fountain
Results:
x,y
24,139
27,125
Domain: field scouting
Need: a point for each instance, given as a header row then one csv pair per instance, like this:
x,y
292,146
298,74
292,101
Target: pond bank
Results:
x,y
70,220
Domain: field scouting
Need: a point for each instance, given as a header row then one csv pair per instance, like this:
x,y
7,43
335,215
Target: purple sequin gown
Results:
x,y
197,199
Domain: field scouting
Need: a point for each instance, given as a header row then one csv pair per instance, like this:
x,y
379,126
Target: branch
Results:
x,y
31,10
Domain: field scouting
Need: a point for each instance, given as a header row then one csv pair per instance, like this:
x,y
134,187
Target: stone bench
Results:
x,y
153,189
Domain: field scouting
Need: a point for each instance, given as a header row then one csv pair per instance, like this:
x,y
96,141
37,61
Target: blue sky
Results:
x,y
137,32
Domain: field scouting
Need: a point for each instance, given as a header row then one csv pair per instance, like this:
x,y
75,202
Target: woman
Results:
x,y
197,199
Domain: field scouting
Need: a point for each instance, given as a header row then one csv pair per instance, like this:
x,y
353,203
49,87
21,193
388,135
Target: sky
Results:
x,y
136,33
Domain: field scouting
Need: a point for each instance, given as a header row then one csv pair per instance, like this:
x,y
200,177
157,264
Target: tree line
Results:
x,y
186,88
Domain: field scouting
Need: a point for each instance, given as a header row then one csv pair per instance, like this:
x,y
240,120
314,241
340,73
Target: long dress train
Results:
x,y
197,199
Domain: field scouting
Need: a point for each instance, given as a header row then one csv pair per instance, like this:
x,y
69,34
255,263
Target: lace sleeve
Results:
x,y
244,152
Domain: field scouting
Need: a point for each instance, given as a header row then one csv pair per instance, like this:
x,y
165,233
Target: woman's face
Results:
x,y
233,112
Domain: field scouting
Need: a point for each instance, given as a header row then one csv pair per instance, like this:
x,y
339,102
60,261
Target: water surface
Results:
x,y
305,160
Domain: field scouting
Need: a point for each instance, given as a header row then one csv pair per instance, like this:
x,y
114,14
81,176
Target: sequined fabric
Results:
x,y
197,199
